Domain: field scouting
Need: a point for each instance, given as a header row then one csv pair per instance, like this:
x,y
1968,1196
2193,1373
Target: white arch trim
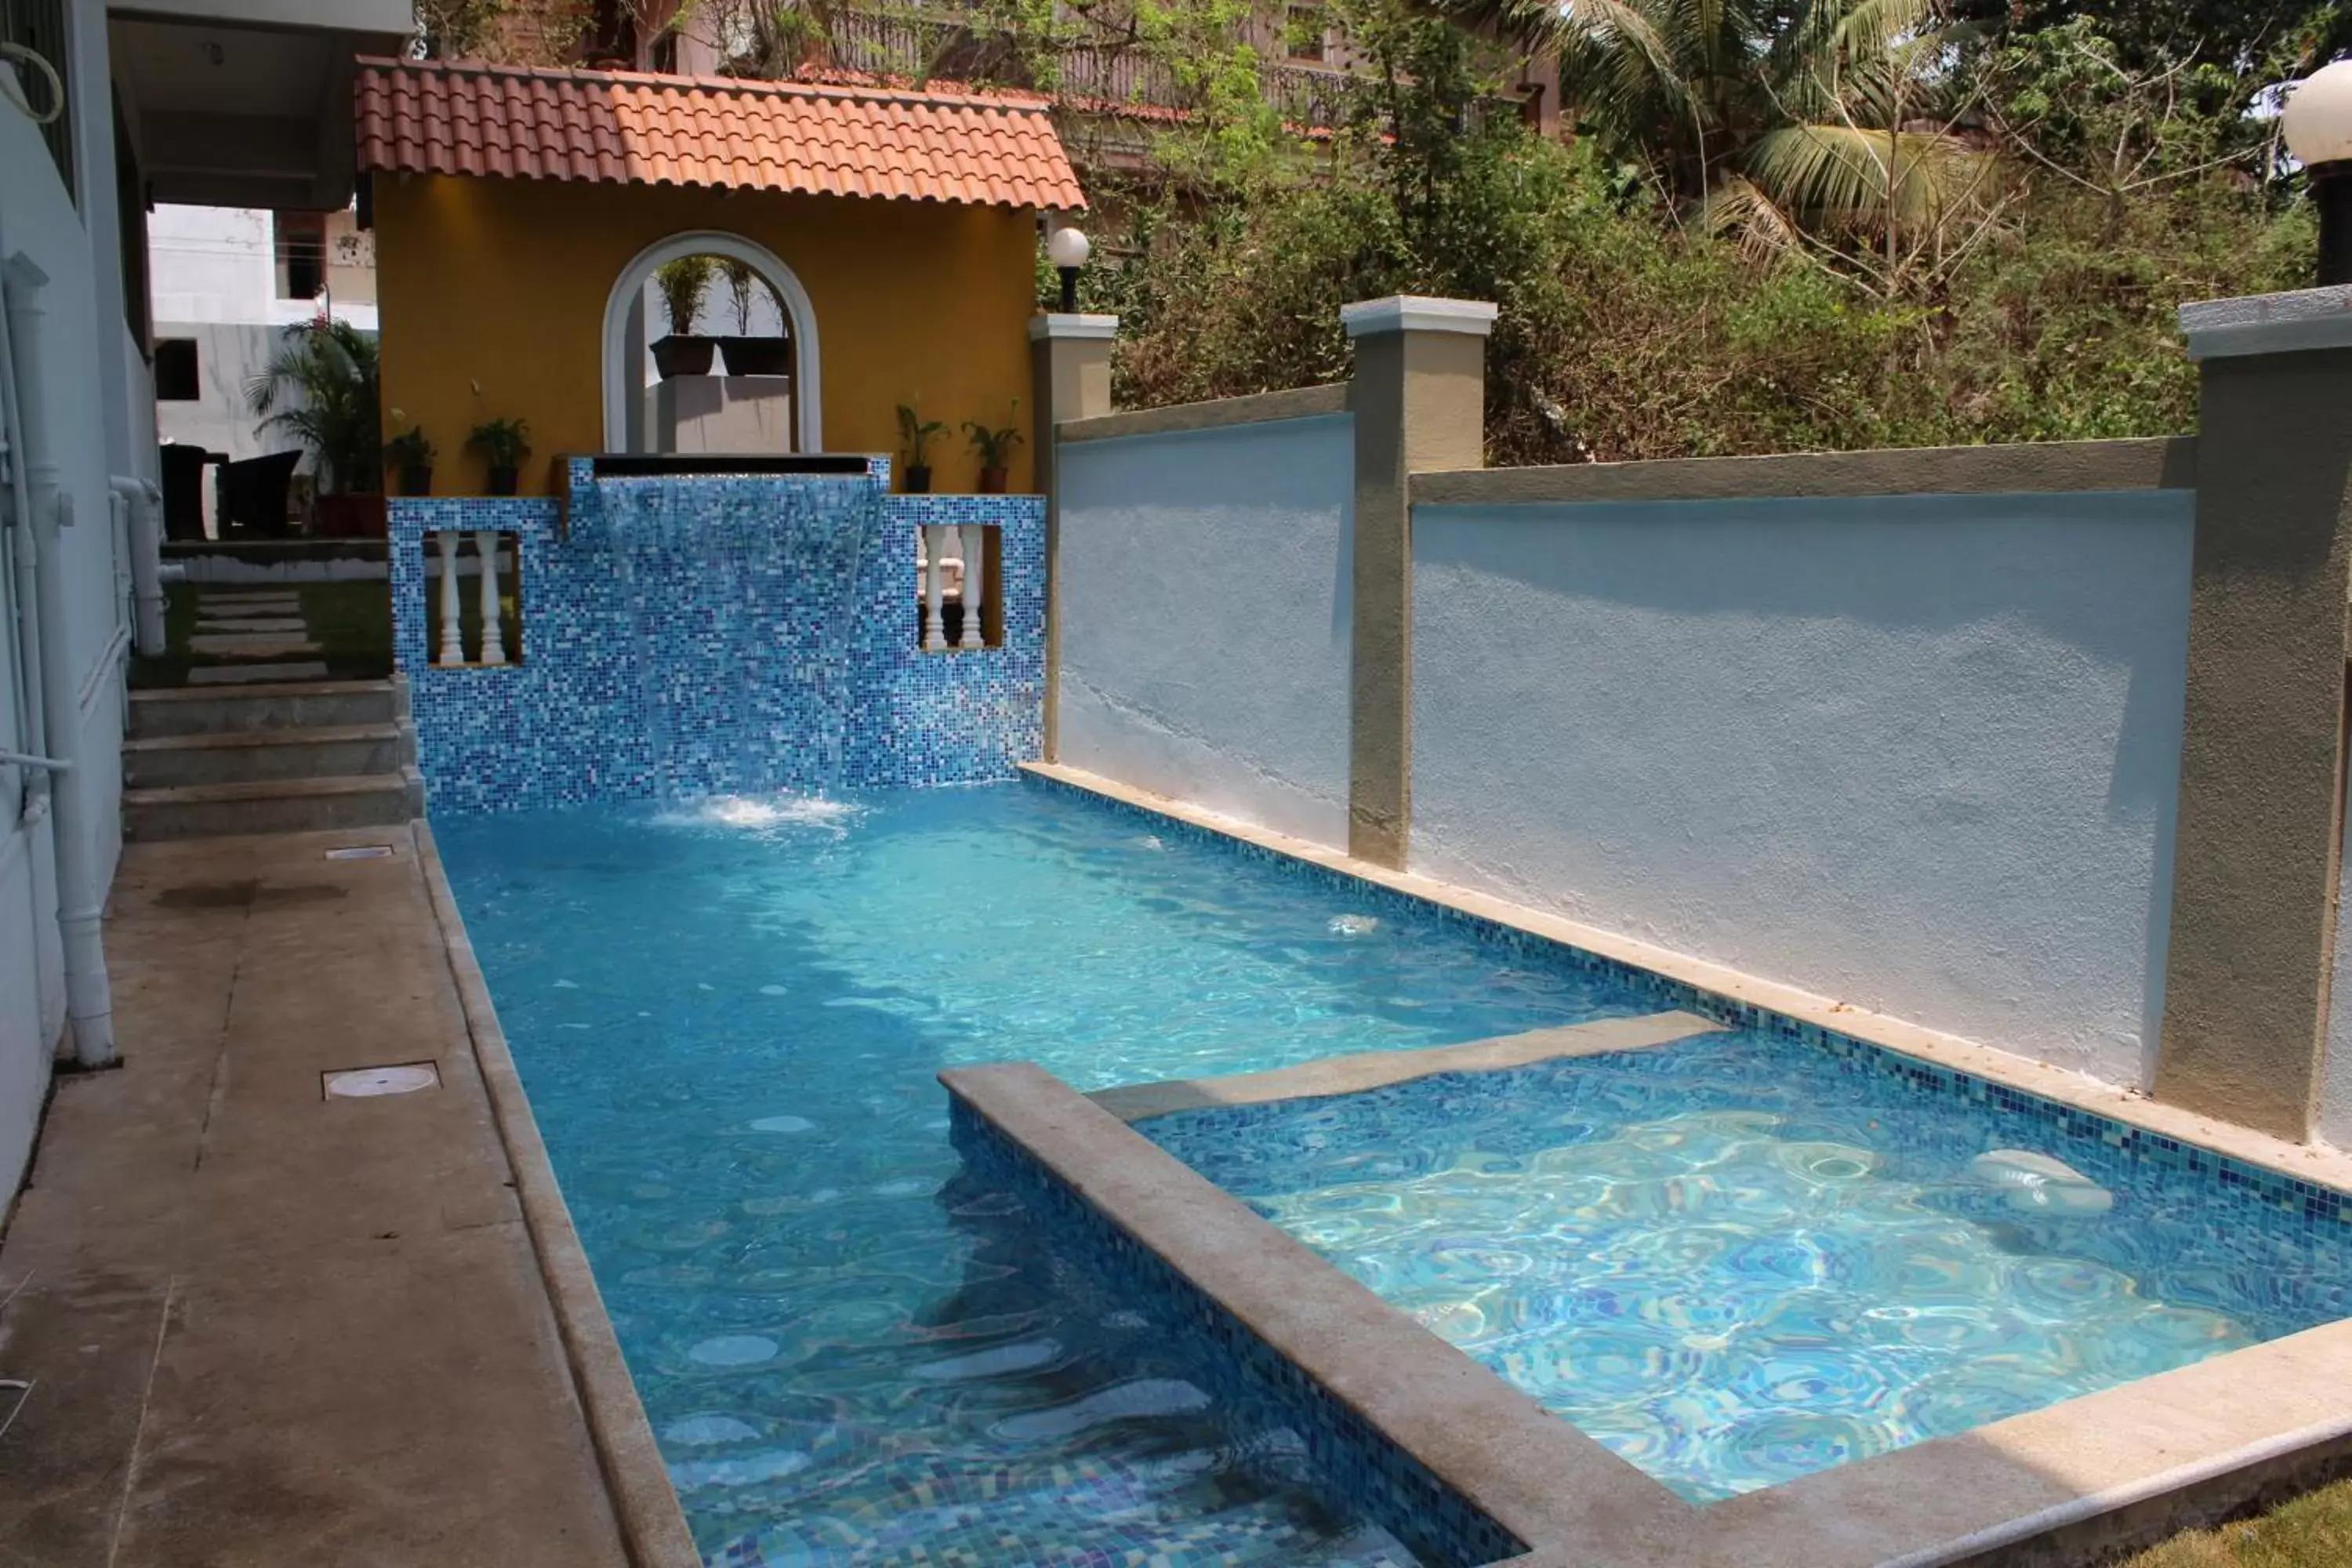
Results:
x,y
620,379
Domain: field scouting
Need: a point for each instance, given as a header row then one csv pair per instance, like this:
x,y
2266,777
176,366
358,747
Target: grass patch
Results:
x,y
351,622
2314,1531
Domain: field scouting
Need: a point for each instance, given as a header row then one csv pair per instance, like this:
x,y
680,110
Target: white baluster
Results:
x,y
453,643
975,577
494,631
935,636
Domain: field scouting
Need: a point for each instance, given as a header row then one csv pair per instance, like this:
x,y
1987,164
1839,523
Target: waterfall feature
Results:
x,y
737,594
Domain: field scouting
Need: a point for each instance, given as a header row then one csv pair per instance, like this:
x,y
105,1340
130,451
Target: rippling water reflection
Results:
x,y
728,1018
1733,1262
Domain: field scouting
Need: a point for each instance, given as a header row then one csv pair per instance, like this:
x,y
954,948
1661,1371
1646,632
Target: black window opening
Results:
x,y
301,246
176,377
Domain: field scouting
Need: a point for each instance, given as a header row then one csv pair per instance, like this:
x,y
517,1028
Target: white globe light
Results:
x,y
1068,248
2318,116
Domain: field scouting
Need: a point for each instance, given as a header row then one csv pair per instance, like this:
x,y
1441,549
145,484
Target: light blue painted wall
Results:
x,y
1916,753
1205,608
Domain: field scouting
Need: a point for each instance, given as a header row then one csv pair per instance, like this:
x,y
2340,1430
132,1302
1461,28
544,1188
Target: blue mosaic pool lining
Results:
x,y
567,724
2306,1203
1379,1480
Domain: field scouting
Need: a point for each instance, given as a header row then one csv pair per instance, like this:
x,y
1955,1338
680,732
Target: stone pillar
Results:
x,y
1418,395
1069,358
2262,755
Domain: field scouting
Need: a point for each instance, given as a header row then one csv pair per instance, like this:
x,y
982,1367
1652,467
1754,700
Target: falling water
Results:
x,y
738,594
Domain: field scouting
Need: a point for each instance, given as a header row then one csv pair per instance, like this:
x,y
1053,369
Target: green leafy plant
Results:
x,y
682,284
412,448
741,282
320,386
505,443
917,433
993,447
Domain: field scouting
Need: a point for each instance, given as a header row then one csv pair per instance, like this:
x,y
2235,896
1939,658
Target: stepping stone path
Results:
x,y
237,629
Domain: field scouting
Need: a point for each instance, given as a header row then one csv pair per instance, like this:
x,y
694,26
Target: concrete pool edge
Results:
x,y
2072,1482
653,1525
1377,1069
1491,1444
2295,1162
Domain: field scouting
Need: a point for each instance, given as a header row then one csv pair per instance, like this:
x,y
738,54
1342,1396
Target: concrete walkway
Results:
x,y
264,1327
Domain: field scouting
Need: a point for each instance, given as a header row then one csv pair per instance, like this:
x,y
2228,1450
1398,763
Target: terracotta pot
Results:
x,y
674,355
757,356
916,478
991,481
417,480
503,479
351,517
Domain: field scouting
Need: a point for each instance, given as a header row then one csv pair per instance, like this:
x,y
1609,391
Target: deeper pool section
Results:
x,y
729,1016
1741,1258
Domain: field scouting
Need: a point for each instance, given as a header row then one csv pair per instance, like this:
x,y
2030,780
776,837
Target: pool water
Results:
x,y
1739,1260
728,1018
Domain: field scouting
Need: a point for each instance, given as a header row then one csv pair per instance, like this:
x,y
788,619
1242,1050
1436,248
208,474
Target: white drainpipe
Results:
x,y
145,503
89,1006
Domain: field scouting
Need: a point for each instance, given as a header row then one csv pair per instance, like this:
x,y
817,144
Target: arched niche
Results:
x,y
623,370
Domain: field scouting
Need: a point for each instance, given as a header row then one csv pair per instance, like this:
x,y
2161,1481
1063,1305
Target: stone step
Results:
x,y
250,674
278,705
272,805
246,756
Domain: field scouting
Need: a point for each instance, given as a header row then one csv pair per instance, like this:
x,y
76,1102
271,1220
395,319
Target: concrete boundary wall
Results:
x,y
1915,750
1205,577
1258,408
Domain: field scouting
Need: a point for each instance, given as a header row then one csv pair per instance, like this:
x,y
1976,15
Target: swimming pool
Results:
x,y
1745,1257
728,1018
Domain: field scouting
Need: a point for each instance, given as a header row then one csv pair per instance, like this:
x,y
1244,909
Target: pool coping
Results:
x,y
2099,1473
1362,1071
653,1523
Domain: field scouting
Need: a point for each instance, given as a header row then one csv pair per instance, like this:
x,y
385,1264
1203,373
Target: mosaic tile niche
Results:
x,y
699,634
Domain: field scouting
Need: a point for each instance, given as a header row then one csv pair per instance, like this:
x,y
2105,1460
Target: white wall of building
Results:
x,y
214,279
1916,753
1205,610
82,346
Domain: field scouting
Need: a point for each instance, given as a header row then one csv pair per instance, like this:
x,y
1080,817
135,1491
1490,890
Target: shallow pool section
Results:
x,y
728,1018
1742,1258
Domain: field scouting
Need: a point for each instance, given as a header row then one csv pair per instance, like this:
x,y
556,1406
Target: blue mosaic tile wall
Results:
x,y
578,719
1375,1477
2098,1143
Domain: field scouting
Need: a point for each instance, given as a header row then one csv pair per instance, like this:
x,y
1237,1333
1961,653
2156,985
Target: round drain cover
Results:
x,y
362,1082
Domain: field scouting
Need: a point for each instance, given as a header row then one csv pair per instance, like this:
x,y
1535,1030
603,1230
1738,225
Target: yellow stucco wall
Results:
x,y
492,294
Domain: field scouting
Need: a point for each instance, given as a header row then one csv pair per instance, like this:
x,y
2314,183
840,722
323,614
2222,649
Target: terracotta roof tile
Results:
x,y
441,117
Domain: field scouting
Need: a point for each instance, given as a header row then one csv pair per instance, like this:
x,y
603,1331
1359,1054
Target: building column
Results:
x,y
1069,359
1419,396
2261,758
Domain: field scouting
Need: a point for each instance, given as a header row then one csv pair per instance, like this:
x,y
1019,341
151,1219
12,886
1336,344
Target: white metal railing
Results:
x,y
951,563
449,563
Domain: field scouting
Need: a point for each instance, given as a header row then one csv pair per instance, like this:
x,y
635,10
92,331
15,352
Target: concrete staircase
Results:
x,y
283,757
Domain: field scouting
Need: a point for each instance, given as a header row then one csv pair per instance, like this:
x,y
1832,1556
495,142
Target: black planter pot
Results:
x,y
502,480
917,479
674,355
417,480
757,356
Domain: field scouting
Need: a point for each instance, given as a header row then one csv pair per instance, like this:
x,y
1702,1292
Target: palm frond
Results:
x,y
1848,178
1736,210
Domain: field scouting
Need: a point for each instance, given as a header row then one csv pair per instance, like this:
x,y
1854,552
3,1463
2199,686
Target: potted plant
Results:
x,y
505,443
410,455
680,283
320,386
994,448
917,433
748,355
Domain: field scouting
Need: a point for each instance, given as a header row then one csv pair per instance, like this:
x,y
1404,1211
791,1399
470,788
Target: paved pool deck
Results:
x,y
264,1327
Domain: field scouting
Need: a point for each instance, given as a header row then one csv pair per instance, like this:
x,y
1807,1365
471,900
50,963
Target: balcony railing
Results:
x,y
883,44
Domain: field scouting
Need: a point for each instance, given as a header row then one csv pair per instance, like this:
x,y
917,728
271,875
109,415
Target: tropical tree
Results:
x,y
321,387
1786,123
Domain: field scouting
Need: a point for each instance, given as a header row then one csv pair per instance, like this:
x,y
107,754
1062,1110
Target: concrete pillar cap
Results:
x,y
1418,313
2269,323
1055,324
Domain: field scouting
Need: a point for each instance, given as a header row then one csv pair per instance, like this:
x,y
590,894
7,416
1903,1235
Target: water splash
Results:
x,y
761,814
